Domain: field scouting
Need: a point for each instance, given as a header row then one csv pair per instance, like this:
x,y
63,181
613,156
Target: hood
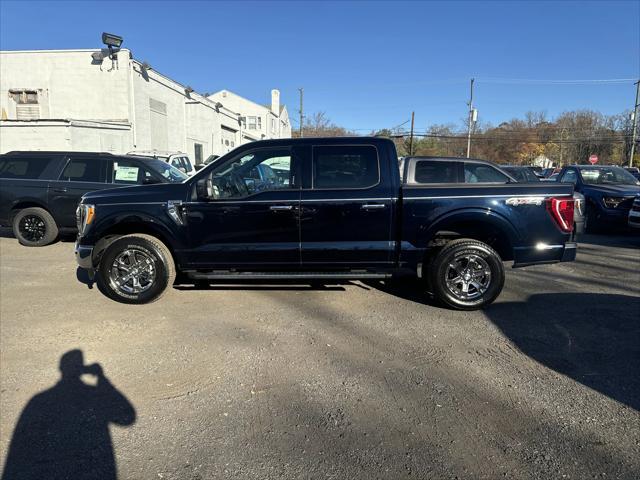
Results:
x,y
159,192
611,190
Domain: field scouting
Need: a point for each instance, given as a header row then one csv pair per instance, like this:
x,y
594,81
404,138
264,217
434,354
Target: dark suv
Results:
x,y
39,191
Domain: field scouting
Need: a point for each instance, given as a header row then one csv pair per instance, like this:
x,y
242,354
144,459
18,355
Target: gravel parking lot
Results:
x,y
345,381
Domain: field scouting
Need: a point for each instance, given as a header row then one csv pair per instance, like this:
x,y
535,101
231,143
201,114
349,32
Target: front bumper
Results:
x,y
542,253
84,256
611,218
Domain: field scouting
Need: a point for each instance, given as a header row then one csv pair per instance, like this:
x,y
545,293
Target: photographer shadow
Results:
x,y
63,432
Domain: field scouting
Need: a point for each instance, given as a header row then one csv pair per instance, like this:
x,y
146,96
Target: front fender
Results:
x,y
158,224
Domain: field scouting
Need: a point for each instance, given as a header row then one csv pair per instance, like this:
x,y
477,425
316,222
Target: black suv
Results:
x,y
39,191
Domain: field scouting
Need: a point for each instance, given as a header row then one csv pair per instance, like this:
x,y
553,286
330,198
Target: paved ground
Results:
x,y
349,381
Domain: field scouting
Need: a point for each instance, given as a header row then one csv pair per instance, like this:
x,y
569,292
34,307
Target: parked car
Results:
x,y
521,173
343,214
634,214
609,192
635,171
210,158
437,170
39,191
178,160
578,213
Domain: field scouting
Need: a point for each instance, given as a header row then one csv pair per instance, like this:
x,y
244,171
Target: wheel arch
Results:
x,y
478,224
130,225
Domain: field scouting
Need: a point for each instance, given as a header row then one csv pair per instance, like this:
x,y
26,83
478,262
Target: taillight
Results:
x,y
561,209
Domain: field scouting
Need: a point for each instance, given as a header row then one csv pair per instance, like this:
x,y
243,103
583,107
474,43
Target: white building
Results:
x,y
257,121
69,100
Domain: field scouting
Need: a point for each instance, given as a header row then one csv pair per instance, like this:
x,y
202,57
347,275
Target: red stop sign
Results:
x,y
593,159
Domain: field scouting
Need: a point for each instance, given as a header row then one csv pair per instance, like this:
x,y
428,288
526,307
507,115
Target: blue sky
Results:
x,y
366,64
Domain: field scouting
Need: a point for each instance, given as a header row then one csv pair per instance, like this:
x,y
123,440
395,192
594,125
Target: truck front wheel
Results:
x,y
466,274
136,269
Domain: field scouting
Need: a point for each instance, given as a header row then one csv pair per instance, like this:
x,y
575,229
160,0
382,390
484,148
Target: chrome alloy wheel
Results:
x,y
133,271
32,228
468,277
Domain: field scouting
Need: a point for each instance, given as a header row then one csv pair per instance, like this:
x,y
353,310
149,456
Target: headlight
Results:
x,y
612,202
84,216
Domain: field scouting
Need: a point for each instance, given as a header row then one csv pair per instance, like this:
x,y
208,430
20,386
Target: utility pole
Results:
x,y
635,125
301,90
563,134
471,119
411,137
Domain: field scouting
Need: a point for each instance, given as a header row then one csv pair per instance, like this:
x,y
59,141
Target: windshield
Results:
x,y
172,174
607,176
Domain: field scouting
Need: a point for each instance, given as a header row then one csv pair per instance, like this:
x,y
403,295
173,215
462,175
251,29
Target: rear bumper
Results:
x,y
84,256
543,253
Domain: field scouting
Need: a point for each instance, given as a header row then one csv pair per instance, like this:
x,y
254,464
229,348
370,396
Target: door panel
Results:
x,y
262,232
350,233
346,215
80,175
250,222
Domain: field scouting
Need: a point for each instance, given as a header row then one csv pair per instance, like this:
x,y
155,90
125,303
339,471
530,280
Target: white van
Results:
x,y
178,160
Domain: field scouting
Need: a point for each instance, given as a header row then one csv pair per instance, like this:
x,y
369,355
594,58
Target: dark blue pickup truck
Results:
x,y
336,209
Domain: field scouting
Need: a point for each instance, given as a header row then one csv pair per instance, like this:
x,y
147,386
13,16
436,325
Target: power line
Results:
x,y
533,81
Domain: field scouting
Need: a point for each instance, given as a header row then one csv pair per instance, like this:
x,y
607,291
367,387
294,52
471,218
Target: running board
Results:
x,y
284,275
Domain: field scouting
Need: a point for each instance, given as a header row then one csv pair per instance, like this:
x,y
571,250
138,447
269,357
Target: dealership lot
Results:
x,y
345,381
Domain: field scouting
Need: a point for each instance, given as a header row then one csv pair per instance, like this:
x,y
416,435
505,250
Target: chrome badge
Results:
x,y
516,201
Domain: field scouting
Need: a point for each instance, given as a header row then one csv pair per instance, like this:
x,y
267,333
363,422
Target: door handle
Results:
x,y
60,190
281,208
373,206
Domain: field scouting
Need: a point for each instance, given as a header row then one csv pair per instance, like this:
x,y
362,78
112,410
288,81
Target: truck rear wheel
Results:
x,y
466,274
136,269
34,227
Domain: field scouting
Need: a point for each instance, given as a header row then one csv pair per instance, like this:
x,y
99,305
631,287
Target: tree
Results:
x,y
319,125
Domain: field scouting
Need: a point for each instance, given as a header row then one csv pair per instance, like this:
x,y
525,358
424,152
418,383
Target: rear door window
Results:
x,y
348,166
85,170
429,171
481,173
25,168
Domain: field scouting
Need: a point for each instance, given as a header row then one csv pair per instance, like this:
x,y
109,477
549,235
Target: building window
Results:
x,y
27,107
197,150
273,125
243,122
254,123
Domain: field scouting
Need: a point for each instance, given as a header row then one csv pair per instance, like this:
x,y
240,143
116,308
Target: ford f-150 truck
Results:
x,y
342,212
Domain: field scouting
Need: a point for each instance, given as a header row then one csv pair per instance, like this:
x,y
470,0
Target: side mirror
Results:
x,y
204,189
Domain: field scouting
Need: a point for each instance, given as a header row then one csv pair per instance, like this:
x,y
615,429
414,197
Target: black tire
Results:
x,y
34,227
154,261
455,254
